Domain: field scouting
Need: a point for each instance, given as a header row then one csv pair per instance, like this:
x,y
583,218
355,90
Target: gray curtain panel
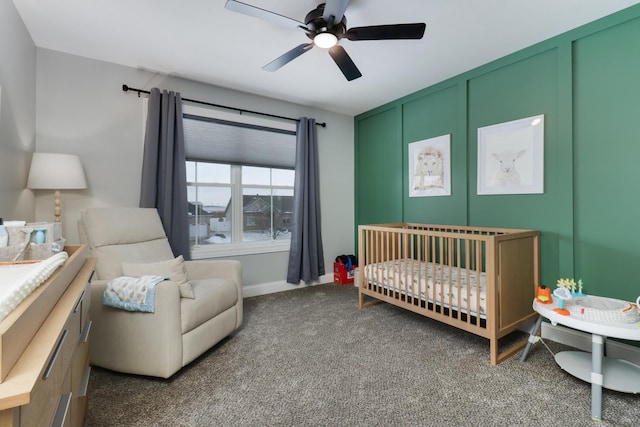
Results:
x,y
306,257
164,177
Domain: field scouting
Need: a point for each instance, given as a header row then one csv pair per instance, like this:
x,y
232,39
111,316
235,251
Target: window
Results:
x,y
267,203
240,180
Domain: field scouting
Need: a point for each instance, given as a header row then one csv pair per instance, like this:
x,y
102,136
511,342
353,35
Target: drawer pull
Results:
x,y
84,337
84,385
62,411
91,276
52,361
77,307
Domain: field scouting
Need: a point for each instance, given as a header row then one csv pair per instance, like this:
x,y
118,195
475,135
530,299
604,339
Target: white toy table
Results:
x,y
600,371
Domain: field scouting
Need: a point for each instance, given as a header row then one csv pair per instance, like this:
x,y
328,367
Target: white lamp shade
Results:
x,y
51,171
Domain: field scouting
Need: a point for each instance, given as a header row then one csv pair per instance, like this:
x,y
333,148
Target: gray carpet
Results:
x,y
310,357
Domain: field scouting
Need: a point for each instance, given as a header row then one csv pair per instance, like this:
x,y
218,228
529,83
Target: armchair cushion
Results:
x,y
109,259
172,269
122,226
117,235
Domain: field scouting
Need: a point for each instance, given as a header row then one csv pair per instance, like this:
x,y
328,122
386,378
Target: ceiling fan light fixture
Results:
x,y
325,40
325,26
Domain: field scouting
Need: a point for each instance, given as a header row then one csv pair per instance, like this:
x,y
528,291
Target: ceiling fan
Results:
x,y
325,26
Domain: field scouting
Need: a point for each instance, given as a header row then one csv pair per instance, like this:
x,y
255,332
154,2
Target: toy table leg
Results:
x,y
597,351
533,337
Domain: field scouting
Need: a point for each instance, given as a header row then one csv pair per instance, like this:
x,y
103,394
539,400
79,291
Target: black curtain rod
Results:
x,y
126,88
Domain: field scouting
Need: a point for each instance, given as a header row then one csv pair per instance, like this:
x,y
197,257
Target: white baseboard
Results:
x,y
272,287
582,341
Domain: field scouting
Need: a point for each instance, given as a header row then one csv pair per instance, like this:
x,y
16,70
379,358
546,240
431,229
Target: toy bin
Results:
x,y
341,275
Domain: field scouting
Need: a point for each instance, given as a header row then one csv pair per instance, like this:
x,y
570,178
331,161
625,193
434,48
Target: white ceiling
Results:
x,y
203,41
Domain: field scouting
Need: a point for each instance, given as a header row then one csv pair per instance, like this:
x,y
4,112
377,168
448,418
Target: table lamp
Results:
x,y
57,172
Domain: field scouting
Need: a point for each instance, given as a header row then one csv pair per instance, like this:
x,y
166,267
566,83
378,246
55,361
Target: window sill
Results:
x,y
226,250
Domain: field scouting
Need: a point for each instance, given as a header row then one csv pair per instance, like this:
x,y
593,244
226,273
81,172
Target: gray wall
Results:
x,y
17,114
82,109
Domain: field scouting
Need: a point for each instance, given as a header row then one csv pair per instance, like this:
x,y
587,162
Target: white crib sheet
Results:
x,y
434,283
17,281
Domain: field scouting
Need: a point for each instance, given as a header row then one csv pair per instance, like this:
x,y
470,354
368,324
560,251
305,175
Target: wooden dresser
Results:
x,y
47,385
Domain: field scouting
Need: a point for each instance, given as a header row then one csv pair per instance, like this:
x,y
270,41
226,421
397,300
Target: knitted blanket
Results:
x,y
132,293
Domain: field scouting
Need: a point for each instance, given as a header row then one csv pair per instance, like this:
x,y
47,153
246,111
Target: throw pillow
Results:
x,y
173,269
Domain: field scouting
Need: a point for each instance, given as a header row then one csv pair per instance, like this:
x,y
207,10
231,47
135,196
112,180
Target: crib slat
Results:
x,y
409,267
384,260
421,264
408,283
433,275
376,258
369,257
479,253
453,271
458,262
468,256
399,268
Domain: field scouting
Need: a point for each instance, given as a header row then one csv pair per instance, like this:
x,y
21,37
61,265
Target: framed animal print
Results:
x,y
511,157
430,167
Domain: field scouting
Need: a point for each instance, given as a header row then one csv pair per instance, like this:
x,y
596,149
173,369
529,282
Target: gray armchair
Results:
x,y
189,317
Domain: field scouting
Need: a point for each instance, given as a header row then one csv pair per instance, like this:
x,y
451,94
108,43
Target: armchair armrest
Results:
x,y
135,342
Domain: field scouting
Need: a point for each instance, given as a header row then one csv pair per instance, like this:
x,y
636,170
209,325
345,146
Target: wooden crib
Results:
x,y
482,280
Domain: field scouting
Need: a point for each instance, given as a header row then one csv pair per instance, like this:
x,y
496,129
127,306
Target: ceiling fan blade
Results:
x,y
386,32
344,62
256,12
336,9
288,57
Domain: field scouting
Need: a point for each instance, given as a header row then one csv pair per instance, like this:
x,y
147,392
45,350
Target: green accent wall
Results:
x,y
586,83
607,159
378,160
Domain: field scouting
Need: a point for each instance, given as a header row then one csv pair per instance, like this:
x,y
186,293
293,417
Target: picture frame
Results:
x,y
511,157
429,169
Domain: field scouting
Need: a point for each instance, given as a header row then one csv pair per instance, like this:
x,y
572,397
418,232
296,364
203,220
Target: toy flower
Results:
x,y
571,285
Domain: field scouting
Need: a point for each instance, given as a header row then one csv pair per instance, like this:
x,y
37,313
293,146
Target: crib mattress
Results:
x,y
431,283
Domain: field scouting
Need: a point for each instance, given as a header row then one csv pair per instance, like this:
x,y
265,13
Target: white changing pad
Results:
x,y
434,283
17,281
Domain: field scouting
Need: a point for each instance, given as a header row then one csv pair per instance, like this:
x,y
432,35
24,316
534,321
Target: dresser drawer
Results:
x,y
80,313
86,300
80,371
74,328
62,416
55,380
